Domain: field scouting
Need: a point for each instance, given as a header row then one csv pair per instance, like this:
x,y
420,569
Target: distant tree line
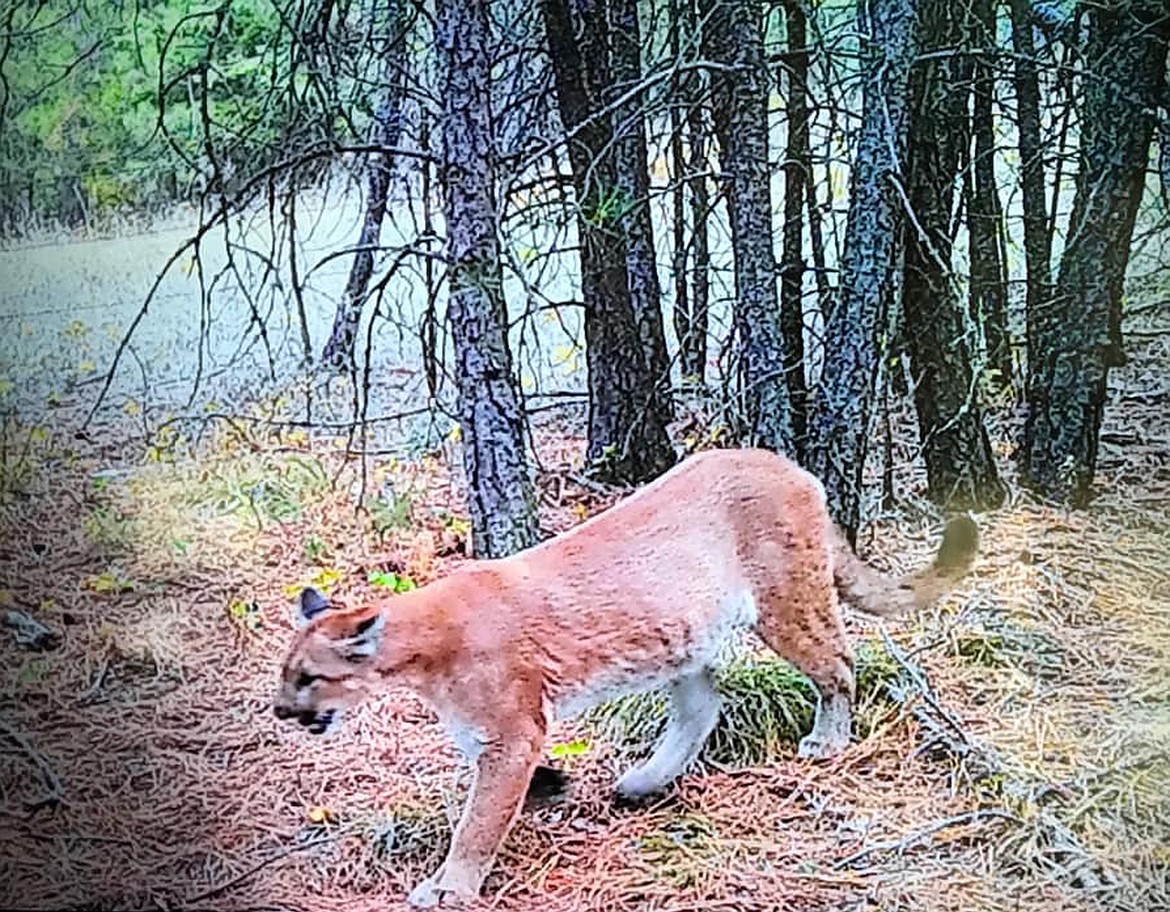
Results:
x,y
740,120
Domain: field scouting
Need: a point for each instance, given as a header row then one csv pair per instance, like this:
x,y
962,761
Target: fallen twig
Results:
x,y
47,772
261,865
918,835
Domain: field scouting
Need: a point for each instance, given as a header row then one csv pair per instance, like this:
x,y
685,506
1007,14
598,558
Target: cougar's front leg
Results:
x,y
502,773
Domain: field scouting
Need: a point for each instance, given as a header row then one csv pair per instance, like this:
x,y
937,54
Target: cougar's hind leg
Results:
x,y
801,622
694,710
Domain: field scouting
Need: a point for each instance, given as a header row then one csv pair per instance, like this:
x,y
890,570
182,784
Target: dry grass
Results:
x,y
1013,752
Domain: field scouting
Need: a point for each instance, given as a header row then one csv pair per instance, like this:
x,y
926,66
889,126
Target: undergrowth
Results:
x,y
767,708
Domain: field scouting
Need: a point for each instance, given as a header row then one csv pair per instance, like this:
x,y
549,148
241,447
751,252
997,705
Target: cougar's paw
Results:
x,y
438,892
548,786
816,748
636,788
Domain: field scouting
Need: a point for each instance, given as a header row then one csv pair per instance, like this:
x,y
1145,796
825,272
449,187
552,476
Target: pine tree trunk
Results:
x,y
797,172
1037,241
501,500
732,36
960,466
984,211
843,405
689,154
385,131
681,310
1075,334
633,178
627,428
700,246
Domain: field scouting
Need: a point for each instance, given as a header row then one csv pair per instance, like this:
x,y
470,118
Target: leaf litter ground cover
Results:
x,y
1011,745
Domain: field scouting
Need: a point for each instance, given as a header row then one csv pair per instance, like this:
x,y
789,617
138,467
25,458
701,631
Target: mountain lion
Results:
x,y
642,595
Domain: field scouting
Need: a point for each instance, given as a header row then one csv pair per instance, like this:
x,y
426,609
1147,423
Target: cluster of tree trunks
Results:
x,y
624,344
733,38
940,332
843,404
1074,333
927,127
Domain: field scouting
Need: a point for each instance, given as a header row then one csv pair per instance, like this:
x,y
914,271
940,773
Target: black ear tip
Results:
x,y
311,602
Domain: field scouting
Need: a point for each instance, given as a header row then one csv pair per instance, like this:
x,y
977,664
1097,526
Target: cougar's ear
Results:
x,y
310,603
364,639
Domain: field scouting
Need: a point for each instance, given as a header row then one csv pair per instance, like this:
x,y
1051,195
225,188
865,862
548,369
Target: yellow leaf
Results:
x,y
580,510
569,356
86,367
108,581
321,815
6,386
324,579
455,434
563,353
132,408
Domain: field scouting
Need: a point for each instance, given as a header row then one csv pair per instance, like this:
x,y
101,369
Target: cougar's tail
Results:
x,y
866,589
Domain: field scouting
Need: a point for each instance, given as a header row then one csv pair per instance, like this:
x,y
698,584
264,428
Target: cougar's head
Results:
x,y
330,665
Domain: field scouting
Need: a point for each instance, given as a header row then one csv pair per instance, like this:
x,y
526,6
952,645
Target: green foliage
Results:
x,y
391,511
127,105
315,549
105,525
109,582
680,849
392,581
609,208
1010,646
245,615
767,708
271,489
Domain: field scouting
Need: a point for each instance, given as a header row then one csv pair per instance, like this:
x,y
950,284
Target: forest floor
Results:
x,y
1011,753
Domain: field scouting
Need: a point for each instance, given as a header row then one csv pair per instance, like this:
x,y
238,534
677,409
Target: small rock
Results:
x,y
28,633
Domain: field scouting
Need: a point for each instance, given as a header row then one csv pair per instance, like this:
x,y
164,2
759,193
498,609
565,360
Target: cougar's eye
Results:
x,y
304,679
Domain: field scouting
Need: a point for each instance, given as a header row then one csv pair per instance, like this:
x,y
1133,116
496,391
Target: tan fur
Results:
x,y
646,594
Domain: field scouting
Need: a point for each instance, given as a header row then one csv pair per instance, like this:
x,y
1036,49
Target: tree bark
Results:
x,y
733,37
681,310
633,182
960,467
501,499
1075,333
843,405
984,210
700,246
689,153
385,131
627,428
1037,240
797,172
